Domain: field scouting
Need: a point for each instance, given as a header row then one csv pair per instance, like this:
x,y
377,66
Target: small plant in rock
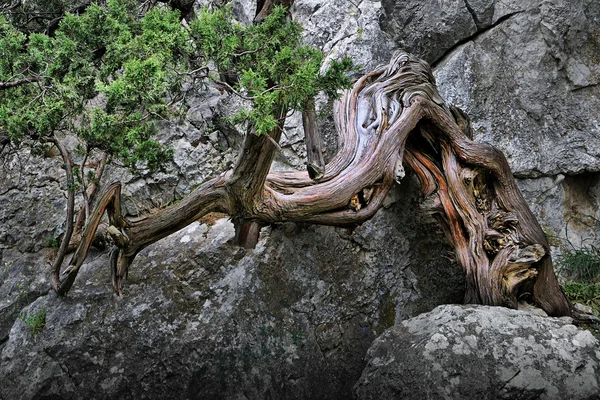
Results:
x,y
36,321
588,294
581,268
581,265
51,242
584,292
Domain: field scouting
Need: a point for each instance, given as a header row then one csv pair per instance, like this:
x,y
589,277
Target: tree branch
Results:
x,y
390,114
64,244
18,82
315,164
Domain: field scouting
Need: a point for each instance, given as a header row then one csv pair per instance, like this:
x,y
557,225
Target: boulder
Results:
x,y
477,352
203,318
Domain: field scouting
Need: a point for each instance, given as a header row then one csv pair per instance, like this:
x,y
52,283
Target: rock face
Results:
x,y
31,212
527,74
203,318
295,317
529,83
476,352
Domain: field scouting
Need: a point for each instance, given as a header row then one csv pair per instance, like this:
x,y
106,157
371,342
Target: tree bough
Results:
x,y
391,117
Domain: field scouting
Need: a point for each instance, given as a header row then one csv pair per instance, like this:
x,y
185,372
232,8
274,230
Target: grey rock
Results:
x,y
530,86
476,352
567,207
427,29
31,218
32,196
203,318
345,28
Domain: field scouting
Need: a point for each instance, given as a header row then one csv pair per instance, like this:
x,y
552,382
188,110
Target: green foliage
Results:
x,y
275,70
108,75
589,294
582,267
51,242
36,321
101,57
580,264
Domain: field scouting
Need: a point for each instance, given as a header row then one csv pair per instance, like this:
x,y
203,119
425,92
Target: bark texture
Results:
x,y
392,116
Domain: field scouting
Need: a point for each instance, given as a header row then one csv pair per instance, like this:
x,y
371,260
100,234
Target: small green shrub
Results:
x,y
589,294
582,292
581,265
51,242
581,268
36,321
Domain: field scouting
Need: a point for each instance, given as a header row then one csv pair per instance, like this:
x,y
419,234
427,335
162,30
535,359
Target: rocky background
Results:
x,y
318,312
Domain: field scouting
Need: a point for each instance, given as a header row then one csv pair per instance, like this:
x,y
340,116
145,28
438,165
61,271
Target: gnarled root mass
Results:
x,y
392,117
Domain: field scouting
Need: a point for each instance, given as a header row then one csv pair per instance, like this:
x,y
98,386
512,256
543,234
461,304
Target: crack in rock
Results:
x,y
471,38
478,23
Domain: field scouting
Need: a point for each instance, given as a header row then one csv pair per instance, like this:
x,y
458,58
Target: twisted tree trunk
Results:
x,y
391,116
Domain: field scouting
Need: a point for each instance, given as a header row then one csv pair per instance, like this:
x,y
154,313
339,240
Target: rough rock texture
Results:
x,y
203,318
527,74
33,198
31,211
568,207
470,352
294,318
427,28
530,86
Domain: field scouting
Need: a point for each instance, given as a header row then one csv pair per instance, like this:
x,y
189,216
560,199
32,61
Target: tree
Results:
x,y
390,118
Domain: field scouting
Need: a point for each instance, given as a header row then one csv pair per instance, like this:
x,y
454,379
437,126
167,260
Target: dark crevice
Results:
x,y
4,340
478,23
577,89
473,37
61,366
11,188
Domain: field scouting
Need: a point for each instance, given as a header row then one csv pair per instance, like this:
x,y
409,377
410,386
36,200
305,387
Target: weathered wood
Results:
x,y
391,114
264,7
247,233
83,213
66,238
315,164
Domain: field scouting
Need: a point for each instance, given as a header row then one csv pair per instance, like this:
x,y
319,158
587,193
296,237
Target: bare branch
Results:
x,y
18,82
62,251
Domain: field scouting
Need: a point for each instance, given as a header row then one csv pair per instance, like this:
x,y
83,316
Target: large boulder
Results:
x,y
530,86
477,352
203,318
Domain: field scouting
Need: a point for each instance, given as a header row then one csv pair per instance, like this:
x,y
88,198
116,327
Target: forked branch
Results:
x,y
390,116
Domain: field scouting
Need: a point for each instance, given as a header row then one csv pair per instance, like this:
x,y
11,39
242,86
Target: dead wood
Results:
x,y
391,117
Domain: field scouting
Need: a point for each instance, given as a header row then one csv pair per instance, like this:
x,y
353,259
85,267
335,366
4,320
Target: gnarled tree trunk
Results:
x,y
391,116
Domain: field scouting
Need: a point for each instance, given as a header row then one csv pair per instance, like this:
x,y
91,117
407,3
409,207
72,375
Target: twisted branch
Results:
x,y
390,116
